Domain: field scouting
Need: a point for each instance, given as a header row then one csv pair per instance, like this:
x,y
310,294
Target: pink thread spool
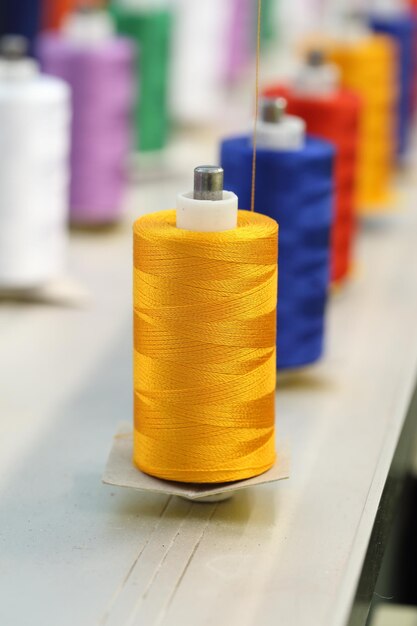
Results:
x,y
242,38
99,69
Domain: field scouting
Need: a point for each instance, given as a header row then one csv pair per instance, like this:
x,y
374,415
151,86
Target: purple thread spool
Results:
x,y
101,80
242,39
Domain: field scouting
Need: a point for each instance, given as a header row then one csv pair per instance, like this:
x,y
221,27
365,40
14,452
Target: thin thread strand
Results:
x,y
255,125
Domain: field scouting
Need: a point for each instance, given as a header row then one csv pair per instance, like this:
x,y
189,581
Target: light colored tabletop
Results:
x,y
77,553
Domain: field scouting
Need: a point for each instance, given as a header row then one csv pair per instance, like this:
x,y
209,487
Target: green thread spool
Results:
x,y
151,31
268,25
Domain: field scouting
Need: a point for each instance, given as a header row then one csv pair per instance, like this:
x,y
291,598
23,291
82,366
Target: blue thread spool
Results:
x,y
401,27
21,17
294,185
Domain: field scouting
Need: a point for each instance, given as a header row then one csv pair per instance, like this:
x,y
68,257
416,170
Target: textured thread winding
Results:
x,y
102,96
204,349
295,188
368,67
150,31
402,29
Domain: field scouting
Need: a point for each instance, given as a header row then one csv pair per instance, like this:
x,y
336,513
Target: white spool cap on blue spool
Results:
x,y
276,130
34,171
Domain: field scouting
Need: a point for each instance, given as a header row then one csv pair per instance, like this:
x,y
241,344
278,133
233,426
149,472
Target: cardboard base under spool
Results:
x,y
121,472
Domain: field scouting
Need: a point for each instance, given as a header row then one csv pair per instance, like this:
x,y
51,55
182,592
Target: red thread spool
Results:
x,y
54,12
335,118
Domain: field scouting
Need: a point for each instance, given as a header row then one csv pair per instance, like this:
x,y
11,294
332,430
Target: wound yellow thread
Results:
x,y
255,124
204,349
368,67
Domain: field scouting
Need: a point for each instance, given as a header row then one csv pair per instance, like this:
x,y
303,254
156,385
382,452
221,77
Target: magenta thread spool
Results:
x,y
242,39
99,69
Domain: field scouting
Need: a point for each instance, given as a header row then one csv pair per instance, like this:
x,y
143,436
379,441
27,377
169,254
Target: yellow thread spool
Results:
x,y
204,349
368,67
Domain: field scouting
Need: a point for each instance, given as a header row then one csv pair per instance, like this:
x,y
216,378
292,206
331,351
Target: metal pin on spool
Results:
x,y
13,47
315,57
272,110
208,182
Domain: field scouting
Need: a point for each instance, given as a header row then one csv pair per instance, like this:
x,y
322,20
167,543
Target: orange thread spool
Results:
x,y
204,349
368,67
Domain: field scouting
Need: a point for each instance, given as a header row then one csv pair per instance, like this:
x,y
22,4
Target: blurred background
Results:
x,y
106,108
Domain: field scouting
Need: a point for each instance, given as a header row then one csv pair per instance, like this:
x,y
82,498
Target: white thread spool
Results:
x,y
208,209
34,135
278,131
199,55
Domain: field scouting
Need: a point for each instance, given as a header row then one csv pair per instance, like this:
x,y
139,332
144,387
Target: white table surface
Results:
x,y
77,553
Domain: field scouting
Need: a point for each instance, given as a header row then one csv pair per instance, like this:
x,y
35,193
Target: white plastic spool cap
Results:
x,y
207,209
88,26
317,77
14,62
278,131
